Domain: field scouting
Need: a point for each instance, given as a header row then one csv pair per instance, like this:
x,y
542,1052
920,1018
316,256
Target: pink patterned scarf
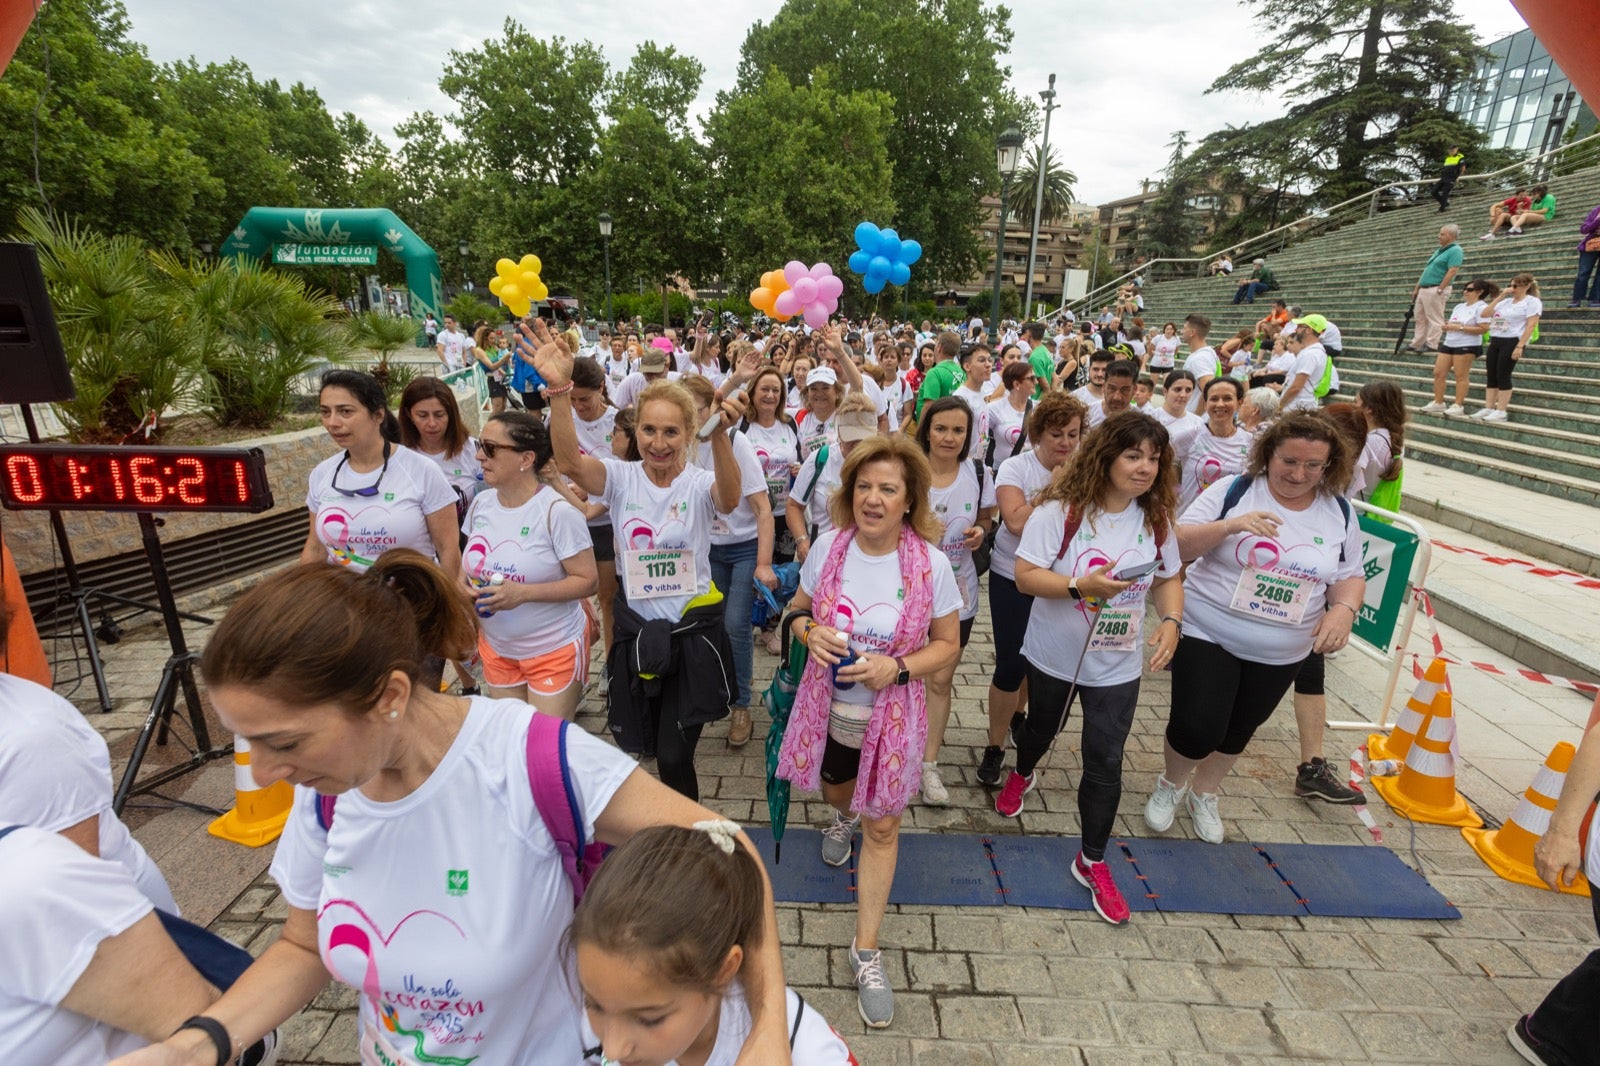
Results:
x,y
891,751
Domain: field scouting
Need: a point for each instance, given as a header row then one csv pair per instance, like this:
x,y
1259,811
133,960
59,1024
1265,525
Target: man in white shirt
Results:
x,y
1116,395
652,368
452,345
1310,365
1202,361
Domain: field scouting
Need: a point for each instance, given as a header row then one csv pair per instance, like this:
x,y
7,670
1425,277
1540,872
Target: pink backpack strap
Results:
x,y
558,807
325,811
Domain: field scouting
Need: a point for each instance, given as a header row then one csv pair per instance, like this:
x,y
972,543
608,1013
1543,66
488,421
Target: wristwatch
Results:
x,y
1072,588
904,676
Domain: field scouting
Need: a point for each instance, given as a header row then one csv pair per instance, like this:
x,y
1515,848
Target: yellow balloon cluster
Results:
x,y
765,298
518,284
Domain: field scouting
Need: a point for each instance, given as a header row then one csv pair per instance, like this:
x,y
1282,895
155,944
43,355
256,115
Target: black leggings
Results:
x,y
1564,1023
1218,700
1107,718
1008,612
1311,679
675,754
1500,364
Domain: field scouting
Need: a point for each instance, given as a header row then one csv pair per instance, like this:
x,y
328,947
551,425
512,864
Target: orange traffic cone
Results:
x,y
1509,849
1425,791
1398,743
258,813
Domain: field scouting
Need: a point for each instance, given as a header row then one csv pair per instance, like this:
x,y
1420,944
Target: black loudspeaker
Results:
x,y
33,365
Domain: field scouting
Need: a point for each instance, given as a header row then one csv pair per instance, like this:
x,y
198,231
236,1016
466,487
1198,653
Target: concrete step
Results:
x,y
1452,456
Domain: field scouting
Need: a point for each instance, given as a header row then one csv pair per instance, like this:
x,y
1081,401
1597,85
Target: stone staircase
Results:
x,y
1360,277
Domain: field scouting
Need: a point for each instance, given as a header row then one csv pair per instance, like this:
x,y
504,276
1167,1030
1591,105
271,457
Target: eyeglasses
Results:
x,y
1312,467
369,490
489,448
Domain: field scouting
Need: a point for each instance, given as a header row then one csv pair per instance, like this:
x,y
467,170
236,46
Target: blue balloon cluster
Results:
x,y
883,258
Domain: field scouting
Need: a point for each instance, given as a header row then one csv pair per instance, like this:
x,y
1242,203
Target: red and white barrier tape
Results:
x,y
1567,576
1588,688
1358,777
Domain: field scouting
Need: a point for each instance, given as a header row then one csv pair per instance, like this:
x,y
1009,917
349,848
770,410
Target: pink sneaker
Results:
x,y
1009,802
1096,877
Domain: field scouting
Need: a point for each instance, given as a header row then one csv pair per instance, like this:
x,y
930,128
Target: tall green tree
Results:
x,y
942,64
1362,79
1059,183
798,166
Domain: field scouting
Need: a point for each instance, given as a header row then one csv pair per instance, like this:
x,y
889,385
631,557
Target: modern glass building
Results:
x,y
1524,101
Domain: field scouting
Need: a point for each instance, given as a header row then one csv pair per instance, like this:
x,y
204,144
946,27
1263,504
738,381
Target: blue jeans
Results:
x,y
1587,261
733,568
1248,292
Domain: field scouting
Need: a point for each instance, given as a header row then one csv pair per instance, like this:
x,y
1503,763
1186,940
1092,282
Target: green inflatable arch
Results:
x,y
262,227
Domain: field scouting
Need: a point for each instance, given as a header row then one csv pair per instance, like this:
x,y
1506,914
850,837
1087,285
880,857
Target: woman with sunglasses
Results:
x,y
1275,574
376,494
528,564
669,617
1007,417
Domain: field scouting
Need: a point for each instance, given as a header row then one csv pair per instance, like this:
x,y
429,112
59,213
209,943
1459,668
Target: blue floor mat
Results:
x,y
987,870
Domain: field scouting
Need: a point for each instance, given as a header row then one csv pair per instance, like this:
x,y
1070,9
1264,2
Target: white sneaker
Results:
x,y
1163,804
1203,813
1516,229
1496,415
1435,408
1483,412
1455,410
933,791
1487,237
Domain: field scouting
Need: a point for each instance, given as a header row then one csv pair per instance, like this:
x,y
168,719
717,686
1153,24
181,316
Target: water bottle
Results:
x,y
850,656
1384,767
492,581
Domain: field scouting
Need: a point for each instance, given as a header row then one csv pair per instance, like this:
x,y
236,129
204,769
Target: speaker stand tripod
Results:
x,y
176,676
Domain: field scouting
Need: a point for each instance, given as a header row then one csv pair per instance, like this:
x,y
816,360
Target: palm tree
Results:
x,y
1058,189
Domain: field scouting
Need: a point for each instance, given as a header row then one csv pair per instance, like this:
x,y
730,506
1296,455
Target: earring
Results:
x,y
394,714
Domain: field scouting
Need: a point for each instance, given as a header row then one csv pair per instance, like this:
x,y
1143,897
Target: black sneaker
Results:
x,y
1524,1043
1315,780
994,760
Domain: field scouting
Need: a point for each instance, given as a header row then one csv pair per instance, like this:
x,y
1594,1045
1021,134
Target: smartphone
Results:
x,y
1133,573
709,427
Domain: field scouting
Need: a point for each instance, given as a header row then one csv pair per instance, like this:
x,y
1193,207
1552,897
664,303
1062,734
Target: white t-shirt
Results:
x,y
777,450
814,431
1332,339
1007,430
461,469
871,591
628,390
1027,473
828,479
1306,549
1510,316
740,526
1164,351
358,529
815,1042
57,903
1181,431
1312,362
974,399
1465,314
594,438
711,371
957,506
1210,458
646,516
617,368
55,772
1281,363
1202,363
455,345
1059,629
452,901
1376,455
526,545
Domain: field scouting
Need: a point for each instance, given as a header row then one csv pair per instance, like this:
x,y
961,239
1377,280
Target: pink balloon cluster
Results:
x,y
813,292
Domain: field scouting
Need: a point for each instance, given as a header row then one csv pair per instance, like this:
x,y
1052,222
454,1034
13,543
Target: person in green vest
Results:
x,y
1259,280
946,374
1039,358
1452,170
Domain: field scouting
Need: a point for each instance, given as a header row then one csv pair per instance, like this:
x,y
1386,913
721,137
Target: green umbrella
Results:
x,y
780,701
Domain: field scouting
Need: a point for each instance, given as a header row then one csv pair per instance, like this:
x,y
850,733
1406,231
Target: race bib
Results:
x,y
1117,628
378,1050
778,490
651,573
1272,596
720,527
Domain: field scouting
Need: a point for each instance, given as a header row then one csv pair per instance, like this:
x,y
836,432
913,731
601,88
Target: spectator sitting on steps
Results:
x,y
1221,265
1259,280
1513,205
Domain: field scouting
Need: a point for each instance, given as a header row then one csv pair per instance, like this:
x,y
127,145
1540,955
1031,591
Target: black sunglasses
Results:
x,y
489,447
370,490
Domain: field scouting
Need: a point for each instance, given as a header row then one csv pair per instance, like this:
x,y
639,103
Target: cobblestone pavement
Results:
x,y
1022,986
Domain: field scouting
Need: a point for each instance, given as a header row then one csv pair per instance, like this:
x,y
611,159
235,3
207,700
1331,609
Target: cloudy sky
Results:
x,y
1125,84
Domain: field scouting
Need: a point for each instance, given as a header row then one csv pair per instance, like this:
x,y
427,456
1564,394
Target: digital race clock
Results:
x,y
85,477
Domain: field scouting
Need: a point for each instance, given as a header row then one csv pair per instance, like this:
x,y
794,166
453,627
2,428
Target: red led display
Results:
x,y
84,477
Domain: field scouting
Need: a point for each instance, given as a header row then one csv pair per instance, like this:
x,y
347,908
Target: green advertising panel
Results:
x,y
1386,556
296,254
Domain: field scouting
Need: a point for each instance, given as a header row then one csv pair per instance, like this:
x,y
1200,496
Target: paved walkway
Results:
x,y
1042,986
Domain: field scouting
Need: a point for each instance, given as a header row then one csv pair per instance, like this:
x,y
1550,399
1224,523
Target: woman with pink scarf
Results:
x,y
877,618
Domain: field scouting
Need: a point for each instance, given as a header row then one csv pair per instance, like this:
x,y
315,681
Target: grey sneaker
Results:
x,y
836,839
1163,805
874,997
1434,408
1316,780
933,791
1455,410
1203,813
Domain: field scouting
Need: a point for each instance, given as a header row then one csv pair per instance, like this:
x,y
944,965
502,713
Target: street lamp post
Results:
x,y
1049,98
1007,149
465,249
605,242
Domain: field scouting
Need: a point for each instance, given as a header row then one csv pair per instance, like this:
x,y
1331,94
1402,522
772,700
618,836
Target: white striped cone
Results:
x,y
1509,850
258,813
1398,743
1425,791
